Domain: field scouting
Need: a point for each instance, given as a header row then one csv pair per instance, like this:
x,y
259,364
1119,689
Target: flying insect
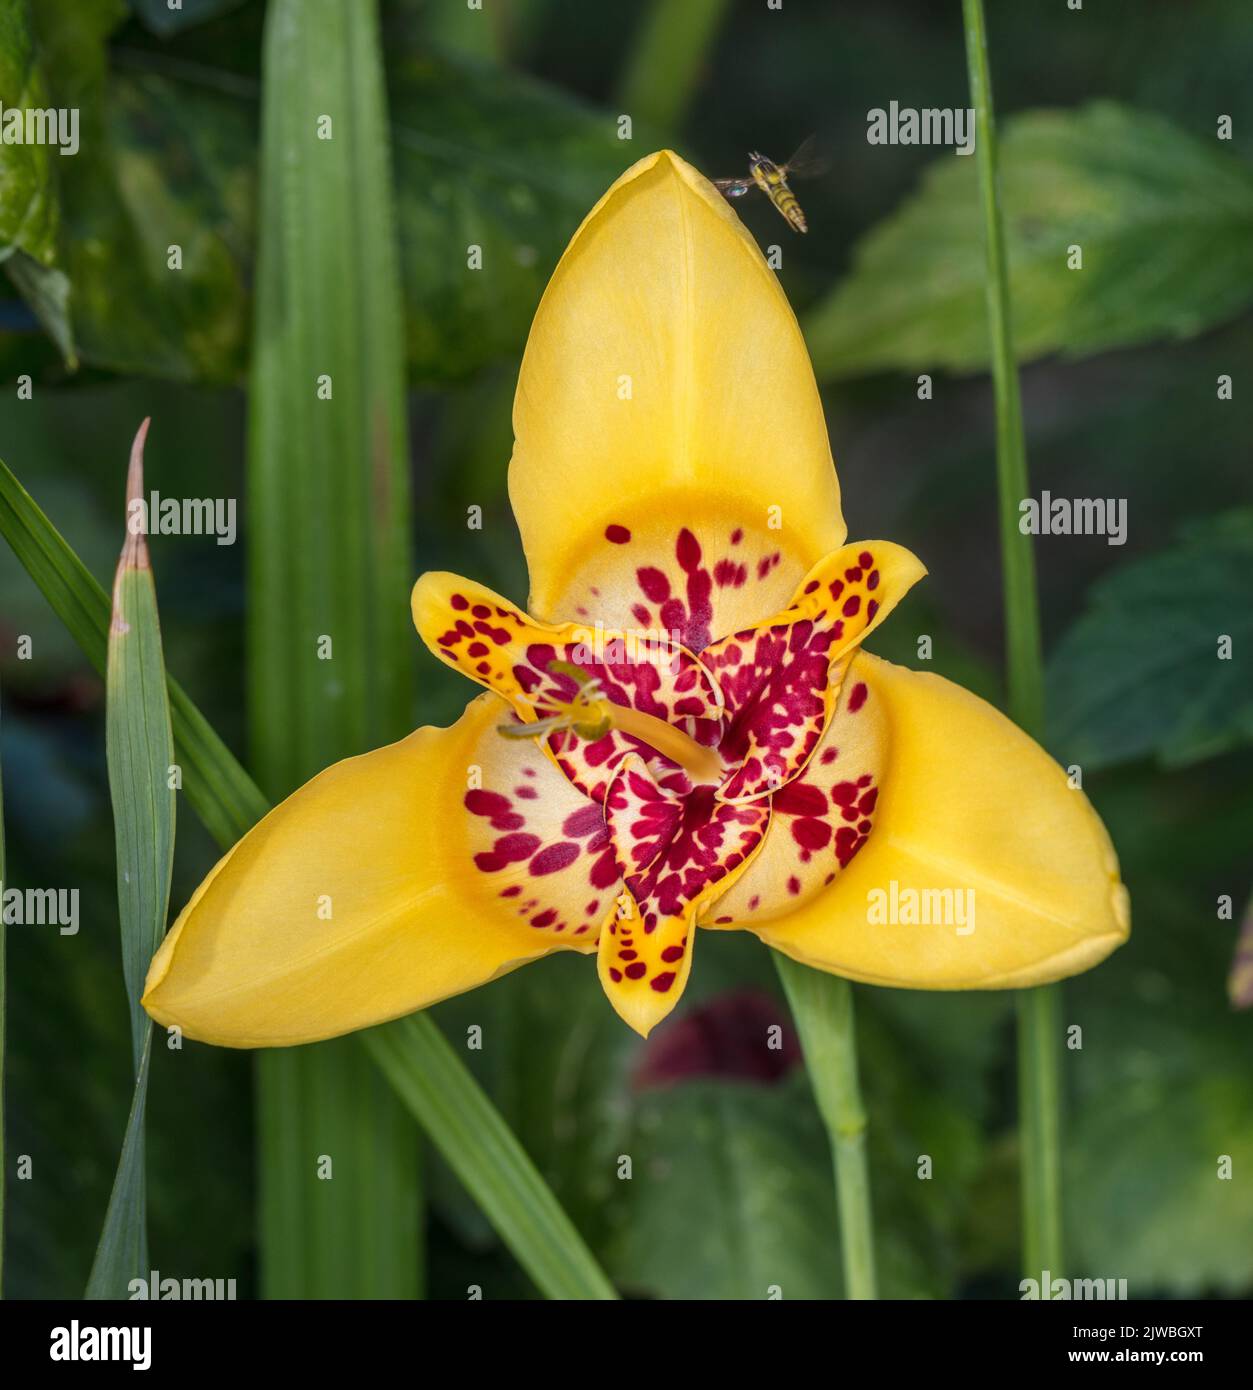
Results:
x,y
772,179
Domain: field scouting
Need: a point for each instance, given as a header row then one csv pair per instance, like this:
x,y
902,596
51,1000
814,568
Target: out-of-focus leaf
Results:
x,y
729,1195
1143,671
46,291
28,202
480,158
1165,222
152,219
494,160
1161,1088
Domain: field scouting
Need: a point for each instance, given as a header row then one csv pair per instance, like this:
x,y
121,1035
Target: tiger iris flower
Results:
x,y
682,731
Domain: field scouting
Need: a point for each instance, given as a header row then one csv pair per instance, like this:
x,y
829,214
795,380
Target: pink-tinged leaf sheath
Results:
x,y
135,547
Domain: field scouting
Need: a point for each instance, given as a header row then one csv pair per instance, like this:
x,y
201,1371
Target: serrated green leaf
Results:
x,y
1164,220
1143,672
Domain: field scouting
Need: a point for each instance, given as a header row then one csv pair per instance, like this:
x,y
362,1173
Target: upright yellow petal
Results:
x,y
671,466
983,868
385,884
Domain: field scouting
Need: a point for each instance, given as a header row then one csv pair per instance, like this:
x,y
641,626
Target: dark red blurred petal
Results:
x,y
742,1036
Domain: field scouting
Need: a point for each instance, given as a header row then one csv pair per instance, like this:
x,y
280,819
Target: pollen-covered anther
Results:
x,y
590,715
587,715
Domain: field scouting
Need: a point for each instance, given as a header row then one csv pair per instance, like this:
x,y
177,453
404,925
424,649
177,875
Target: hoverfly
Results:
x,y
772,179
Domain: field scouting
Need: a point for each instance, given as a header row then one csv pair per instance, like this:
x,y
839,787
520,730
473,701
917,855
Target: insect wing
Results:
x,y
808,162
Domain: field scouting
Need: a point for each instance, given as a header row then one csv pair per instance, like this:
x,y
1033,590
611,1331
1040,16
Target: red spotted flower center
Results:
x,y
683,754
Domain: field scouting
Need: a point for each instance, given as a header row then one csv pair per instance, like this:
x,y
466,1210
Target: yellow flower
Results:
x,y
682,731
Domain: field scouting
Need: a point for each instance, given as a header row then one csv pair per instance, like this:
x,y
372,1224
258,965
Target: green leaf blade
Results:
x,y
140,748
328,639
480,1147
1144,672
1164,223
122,1253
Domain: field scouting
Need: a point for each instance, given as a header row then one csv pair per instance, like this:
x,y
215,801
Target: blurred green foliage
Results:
x,y
504,135
1120,227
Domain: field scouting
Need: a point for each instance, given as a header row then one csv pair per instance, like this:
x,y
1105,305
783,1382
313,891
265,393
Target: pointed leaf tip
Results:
x,y
134,554
135,549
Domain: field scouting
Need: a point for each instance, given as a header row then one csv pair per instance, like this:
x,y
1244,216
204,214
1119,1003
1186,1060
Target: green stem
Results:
x,y
1038,1009
822,1006
666,61
1039,1102
329,565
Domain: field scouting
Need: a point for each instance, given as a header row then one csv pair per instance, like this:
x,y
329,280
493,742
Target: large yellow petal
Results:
x,y
385,884
974,825
671,466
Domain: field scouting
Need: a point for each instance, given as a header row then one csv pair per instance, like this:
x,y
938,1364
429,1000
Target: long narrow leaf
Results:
x,y
140,747
229,803
225,798
328,578
122,1254
481,1149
